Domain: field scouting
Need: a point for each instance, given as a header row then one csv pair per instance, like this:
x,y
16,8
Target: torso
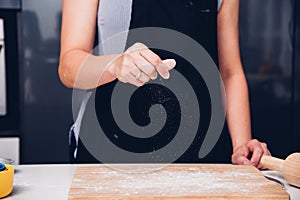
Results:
x,y
196,19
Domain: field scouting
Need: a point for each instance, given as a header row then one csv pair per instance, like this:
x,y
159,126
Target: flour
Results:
x,y
179,182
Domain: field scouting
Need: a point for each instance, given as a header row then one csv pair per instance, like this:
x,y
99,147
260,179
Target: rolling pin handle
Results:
x,y
272,163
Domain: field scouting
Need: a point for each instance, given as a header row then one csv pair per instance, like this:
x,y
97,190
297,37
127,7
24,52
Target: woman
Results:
x,y
139,66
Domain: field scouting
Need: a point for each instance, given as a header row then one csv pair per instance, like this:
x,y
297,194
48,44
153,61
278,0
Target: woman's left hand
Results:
x,y
250,153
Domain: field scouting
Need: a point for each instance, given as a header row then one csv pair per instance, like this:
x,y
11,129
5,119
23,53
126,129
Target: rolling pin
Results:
x,y
290,167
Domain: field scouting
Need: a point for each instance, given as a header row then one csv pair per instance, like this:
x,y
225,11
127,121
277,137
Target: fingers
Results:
x,y
131,75
142,78
242,160
266,152
240,156
133,80
256,155
136,77
127,72
254,148
170,63
155,60
257,151
147,68
150,63
139,64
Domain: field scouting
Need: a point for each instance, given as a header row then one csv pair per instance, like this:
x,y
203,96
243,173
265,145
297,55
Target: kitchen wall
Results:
x,y
266,38
46,110
267,41
296,79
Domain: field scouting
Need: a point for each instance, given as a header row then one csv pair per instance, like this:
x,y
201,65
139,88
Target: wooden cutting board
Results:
x,y
188,181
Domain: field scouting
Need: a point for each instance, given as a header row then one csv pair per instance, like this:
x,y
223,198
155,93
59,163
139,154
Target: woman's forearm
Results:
x,y
136,66
238,112
79,69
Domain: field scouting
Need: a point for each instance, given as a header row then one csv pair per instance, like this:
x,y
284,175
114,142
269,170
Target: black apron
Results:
x,y
198,20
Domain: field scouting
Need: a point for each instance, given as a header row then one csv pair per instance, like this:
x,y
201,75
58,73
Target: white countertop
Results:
x,y
42,182
52,182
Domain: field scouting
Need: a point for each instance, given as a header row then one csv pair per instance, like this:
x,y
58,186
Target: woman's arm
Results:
x,y
78,68
77,39
238,112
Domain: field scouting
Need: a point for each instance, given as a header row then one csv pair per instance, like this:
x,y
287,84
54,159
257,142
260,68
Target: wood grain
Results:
x,y
188,181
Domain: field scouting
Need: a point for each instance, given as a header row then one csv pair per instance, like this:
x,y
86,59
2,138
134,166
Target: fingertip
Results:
x,y
246,162
163,71
167,75
241,160
140,84
154,76
170,63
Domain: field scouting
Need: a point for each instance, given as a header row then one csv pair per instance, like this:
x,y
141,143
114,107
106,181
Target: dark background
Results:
x,y
270,50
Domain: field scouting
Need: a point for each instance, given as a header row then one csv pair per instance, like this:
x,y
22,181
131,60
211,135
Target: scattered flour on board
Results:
x,y
186,181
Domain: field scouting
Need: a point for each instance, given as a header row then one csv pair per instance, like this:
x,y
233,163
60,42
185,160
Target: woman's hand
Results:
x,y
139,64
250,153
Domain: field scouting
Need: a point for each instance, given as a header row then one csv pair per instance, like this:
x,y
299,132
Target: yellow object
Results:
x,y
6,181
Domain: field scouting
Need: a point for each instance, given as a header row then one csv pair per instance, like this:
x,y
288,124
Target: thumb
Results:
x,y
170,63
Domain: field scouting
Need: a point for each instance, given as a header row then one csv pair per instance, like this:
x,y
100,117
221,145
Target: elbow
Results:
x,y
64,75
228,74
